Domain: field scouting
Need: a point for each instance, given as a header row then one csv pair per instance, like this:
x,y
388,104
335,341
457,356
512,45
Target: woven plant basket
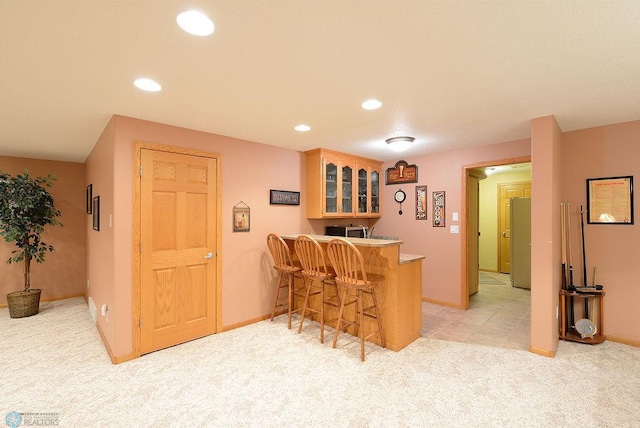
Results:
x,y
24,304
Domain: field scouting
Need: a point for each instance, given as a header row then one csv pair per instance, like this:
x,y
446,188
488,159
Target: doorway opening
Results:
x,y
479,223
483,287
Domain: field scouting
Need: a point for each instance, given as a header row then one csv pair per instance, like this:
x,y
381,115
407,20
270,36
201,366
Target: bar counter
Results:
x,y
399,295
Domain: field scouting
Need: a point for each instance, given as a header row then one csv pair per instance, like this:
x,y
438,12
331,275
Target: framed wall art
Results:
x,y
402,172
421,202
95,210
439,213
610,200
88,199
241,217
284,197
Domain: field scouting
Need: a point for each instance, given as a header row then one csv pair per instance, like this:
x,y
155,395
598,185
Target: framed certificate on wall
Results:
x,y
610,200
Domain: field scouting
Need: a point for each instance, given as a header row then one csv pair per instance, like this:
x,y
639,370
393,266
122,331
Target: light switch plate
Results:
x,y
455,229
455,216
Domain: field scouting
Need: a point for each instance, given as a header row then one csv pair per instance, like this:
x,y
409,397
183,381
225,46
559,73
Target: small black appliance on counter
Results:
x,y
347,231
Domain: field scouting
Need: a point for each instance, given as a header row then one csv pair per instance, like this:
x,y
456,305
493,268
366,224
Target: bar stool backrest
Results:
x,y
311,256
347,261
280,252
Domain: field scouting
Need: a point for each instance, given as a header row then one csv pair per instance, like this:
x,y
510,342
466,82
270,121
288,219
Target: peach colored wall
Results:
x,y
249,170
488,241
63,272
100,265
441,277
546,139
606,151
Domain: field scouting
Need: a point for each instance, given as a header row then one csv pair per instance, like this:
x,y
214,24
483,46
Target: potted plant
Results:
x,y
26,207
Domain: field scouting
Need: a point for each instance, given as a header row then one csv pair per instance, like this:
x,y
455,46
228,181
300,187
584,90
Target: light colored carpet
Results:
x,y
265,375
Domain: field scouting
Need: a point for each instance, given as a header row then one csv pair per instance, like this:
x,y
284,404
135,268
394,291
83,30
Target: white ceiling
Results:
x,y
452,74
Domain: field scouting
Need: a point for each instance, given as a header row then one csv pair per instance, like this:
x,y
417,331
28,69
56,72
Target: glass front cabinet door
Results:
x,y
347,189
363,191
331,188
375,191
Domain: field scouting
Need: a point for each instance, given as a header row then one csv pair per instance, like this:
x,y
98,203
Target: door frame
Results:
x,y
464,268
138,146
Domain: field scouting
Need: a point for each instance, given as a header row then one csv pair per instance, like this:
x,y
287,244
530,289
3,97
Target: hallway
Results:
x,y
499,315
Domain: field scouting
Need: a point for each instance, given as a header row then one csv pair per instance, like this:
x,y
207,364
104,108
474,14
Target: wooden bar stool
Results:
x,y
318,281
357,283
287,270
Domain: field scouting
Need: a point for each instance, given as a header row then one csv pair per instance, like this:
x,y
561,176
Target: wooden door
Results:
x,y
506,191
473,227
178,227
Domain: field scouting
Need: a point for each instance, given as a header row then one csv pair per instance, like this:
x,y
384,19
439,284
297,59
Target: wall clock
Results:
x,y
400,196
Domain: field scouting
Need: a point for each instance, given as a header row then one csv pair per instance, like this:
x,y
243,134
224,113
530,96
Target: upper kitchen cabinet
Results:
x,y
341,185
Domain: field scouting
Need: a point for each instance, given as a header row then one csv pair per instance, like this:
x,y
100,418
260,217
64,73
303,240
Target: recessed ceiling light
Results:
x,y
371,104
302,128
147,85
196,23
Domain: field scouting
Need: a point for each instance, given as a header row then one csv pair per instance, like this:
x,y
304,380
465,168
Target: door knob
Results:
x,y
209,256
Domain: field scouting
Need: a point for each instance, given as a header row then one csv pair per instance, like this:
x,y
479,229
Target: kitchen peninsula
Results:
x,y
399,295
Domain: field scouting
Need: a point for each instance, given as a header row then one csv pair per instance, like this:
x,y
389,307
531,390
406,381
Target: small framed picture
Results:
x,y
421,202
439,214
88,198
95,210
241,218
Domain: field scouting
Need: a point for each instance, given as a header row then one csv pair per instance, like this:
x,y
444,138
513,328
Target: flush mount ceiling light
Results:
x,y
399,144
196,23
371,104
302,128
147,85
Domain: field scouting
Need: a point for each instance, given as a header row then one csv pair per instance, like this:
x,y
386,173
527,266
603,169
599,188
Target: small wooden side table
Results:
x,y
567,331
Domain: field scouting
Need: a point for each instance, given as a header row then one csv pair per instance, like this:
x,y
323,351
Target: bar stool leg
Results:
x,y
360,325
335,335
322,312
378,319
291,302
275,301
307,283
